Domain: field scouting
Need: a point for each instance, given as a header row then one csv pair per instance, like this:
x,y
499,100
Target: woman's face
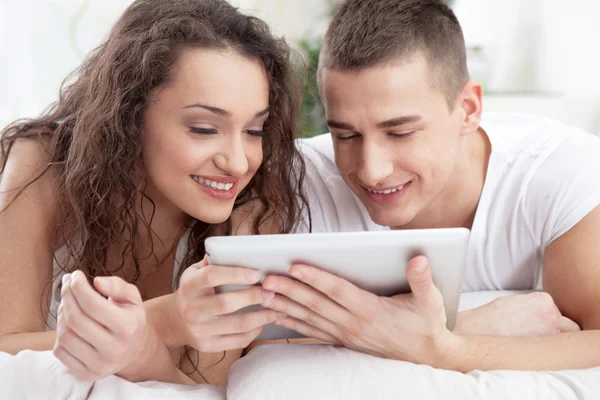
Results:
x,y
203,133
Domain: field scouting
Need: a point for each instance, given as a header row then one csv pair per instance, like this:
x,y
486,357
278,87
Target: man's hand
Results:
x,y
532,314
98,336
410,327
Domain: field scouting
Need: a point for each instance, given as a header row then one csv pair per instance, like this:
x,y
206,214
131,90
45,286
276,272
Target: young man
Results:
x,y
409,149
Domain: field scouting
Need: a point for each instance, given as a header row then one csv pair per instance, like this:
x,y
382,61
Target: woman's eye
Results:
x,y
260,133
203,131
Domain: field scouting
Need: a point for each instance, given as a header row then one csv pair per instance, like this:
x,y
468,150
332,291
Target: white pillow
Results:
x,y
313,372
327,372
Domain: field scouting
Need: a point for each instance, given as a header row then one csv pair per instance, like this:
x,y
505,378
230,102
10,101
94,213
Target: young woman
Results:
x,y
185,113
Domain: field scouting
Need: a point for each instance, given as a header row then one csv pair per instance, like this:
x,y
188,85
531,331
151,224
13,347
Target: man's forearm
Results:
x,y
572,350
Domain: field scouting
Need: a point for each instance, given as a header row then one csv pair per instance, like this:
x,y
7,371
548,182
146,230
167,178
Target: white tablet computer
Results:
x,y
373,261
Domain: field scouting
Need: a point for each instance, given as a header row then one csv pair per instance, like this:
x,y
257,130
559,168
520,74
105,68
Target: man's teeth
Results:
x,y
389,191
212,184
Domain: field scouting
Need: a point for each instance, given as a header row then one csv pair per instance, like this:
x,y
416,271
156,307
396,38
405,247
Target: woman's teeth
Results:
x,y
212,184
389,191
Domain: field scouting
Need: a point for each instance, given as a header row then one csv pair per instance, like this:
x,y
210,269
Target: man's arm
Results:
x,y
412,327
572,277
573,350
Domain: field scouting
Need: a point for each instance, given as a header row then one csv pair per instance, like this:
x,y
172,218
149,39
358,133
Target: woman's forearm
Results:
x,y
39,341
160,312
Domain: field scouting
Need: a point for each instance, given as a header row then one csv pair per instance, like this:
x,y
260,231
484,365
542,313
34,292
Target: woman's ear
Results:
x,y
470,103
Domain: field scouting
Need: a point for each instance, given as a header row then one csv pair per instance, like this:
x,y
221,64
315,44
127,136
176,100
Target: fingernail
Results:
x,y
66,279
270,286
267,295
296,273
421,266
281,315
253,276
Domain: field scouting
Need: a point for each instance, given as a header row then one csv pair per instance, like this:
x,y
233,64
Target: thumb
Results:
x,y
117,290
419,278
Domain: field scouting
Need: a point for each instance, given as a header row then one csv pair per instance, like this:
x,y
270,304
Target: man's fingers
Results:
x,y
567,325
421,283
307,330
311,298
349,296
289,307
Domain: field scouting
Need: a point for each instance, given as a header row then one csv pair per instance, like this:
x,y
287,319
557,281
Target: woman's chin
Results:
x,y
212,217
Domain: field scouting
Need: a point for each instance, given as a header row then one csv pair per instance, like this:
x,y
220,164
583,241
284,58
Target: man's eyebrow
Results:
x,y
220,111
407,119
339,125
390,123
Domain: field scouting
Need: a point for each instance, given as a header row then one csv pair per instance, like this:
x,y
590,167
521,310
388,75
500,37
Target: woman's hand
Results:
x,y
206,321
98,336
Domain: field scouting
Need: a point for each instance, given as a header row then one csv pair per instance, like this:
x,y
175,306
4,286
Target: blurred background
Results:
x,y
535,56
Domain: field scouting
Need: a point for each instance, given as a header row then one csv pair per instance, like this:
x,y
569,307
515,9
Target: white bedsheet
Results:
x,y
306,372
39,375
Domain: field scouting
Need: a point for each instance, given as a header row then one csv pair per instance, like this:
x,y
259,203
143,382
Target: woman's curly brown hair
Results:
x,y
94,130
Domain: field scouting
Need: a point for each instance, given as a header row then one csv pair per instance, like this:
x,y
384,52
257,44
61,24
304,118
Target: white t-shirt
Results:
x,y
543,178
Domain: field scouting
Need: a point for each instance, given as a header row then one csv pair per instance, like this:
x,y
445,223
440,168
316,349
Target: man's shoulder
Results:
x,y
317,146
514,135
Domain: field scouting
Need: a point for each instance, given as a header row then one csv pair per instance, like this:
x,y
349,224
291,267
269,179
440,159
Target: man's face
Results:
x,y
396,141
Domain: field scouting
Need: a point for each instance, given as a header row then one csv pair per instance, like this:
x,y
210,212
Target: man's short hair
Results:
x,y
366,33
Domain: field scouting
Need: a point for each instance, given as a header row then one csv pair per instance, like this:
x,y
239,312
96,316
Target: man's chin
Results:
x,y
392,220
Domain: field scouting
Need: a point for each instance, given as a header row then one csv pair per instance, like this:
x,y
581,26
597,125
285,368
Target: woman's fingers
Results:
x,y
227,303
567,325
195,280
73,364
90,302
228,342
118,290
75,320
241,323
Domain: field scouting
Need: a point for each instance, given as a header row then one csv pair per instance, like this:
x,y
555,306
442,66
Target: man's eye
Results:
x,y
401,135
345,138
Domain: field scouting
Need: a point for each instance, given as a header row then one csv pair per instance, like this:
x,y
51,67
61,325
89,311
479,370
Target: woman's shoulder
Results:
x,y
28,183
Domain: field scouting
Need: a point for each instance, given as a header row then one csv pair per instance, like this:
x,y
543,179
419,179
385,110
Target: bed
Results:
x,y
307,372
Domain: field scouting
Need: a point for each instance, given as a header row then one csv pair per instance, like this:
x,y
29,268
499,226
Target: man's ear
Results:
x,y
470,102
